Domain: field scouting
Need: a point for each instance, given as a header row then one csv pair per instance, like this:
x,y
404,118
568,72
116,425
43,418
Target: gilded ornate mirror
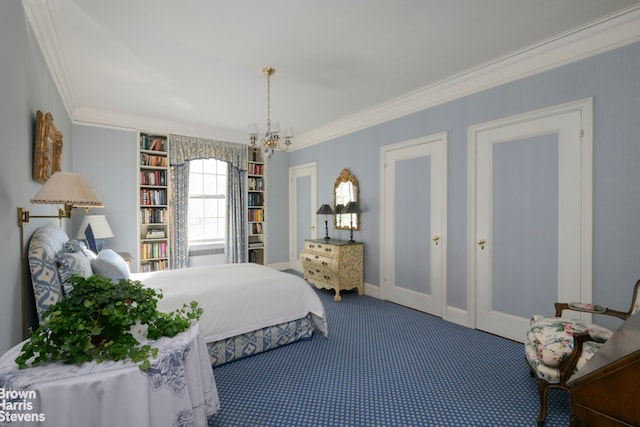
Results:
x,y
345,190
48,148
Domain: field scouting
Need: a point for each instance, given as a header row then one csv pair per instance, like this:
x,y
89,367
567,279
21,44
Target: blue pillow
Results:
x,y
70,263
111,265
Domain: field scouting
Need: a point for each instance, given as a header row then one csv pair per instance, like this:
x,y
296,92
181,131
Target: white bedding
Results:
x,y
237,298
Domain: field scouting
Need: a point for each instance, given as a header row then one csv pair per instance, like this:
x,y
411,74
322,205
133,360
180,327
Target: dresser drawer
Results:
x,y
334,264
321,249
319,263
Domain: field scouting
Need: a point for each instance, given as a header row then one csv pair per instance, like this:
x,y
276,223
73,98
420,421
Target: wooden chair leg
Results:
x,y
543,387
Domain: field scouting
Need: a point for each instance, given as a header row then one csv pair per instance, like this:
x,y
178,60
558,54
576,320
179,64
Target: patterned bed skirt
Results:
x,y
251,343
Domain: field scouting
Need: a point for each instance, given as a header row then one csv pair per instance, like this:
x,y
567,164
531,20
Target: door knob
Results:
x,y
313,227
481,242
436,239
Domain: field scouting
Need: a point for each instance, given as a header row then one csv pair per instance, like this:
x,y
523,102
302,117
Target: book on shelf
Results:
x,y
256,214
153,250
256,169
153,178
153,142
149,197
151,215
155,233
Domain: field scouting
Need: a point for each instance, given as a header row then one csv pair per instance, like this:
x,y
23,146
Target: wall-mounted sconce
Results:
x,y
63,188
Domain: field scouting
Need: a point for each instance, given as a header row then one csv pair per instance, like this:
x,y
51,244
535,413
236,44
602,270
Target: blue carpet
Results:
x,y
385,365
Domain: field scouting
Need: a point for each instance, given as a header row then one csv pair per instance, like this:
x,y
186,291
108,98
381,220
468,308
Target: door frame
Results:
x,y
585,107
307,169
441,137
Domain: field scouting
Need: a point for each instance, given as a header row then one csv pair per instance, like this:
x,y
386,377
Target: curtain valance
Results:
x,y
185,148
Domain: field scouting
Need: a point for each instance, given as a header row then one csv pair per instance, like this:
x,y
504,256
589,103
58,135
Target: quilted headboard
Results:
x,y
45,243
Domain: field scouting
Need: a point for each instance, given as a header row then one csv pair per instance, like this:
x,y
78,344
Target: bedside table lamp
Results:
x,y
351,208
99,227
325,210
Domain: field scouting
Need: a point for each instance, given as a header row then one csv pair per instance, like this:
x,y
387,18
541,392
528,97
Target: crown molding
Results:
x,y
109,119
47,38
608,33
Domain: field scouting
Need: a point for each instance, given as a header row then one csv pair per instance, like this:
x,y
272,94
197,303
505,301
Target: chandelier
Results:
x,y
271,140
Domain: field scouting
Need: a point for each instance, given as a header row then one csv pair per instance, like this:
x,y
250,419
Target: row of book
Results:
x,y
256,256
256,215
155,233
153,143
256,228
256,169
157,265
154,216
255,199
153,250
158,177
256,184
150,197
153,160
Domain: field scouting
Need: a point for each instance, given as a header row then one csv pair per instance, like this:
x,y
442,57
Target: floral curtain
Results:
x,y
183,149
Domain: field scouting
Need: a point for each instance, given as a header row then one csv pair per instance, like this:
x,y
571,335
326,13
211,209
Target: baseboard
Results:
x,y
372,290
457,315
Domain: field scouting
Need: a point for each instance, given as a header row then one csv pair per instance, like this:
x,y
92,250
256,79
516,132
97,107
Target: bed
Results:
x,y
248,308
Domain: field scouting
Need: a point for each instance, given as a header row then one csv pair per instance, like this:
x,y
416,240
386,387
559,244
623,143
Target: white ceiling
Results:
x,y
196,65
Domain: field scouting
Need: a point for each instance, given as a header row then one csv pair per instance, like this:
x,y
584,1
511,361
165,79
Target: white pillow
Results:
x,y
111,265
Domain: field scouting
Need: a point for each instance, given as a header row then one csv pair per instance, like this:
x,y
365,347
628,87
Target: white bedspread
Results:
x,y
237,298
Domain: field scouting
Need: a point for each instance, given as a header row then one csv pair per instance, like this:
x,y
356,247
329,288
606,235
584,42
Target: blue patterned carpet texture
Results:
x,y
385,365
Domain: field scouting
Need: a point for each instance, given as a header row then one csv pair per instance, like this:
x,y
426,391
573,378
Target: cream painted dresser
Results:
x,y
333,264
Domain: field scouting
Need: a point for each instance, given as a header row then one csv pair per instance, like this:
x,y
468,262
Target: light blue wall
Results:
x,y
107,158
612,79
25,87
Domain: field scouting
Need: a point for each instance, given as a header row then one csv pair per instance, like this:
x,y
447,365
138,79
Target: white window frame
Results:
x,y
201,243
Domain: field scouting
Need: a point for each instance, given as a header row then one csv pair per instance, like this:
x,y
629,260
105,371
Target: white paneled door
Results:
x,y
302,208
413,223
530,238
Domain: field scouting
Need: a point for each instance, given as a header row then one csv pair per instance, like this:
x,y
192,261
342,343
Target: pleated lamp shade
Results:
x,y
67,188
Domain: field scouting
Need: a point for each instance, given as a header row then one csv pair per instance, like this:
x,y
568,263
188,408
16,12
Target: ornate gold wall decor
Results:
x,y
48,148
345,190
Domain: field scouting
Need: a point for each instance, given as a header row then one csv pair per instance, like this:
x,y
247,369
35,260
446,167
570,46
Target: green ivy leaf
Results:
x,y
94,322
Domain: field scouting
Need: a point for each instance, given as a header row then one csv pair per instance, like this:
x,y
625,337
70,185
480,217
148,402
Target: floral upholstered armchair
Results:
x,y
556,347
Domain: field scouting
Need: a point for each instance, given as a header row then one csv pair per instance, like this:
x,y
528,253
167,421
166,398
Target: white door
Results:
x,y
531,242
302,209
413,223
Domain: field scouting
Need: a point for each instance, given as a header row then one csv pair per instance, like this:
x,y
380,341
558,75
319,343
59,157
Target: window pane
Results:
x,y
222,184
196,208
207,200
196,229
209,183
195,166
195,184
212,229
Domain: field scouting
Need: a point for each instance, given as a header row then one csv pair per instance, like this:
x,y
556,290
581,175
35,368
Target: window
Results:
x,y
207,201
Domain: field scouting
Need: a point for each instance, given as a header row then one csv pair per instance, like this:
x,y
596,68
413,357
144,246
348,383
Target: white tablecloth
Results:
x,y
178,389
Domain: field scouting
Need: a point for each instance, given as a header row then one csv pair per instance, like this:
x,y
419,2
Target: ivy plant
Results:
x,y
96,319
